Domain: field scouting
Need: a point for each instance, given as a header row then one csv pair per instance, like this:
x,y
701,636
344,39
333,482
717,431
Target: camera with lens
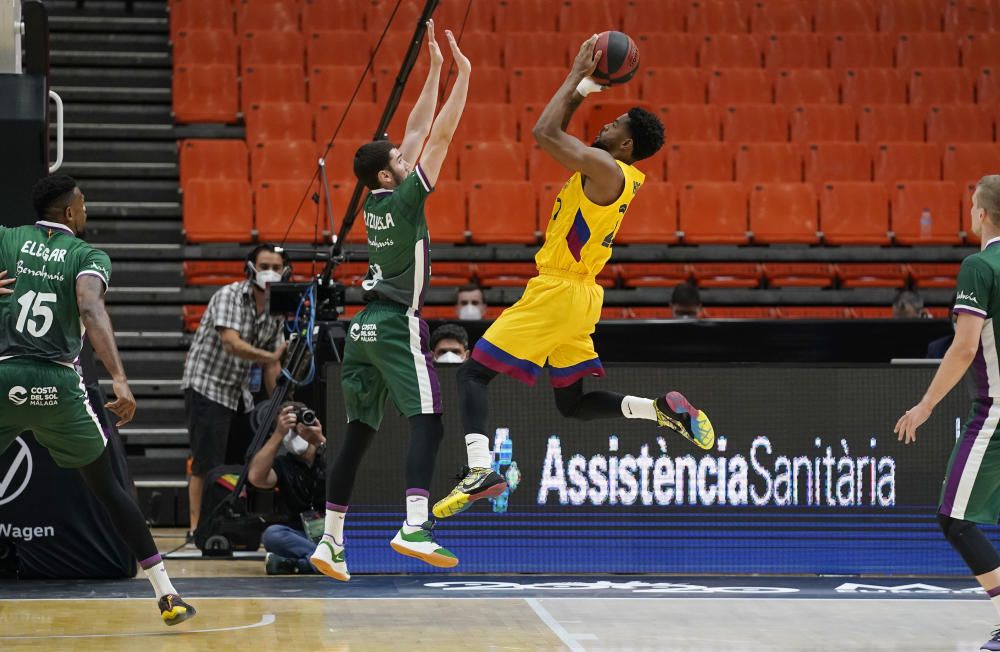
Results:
x,y
304,415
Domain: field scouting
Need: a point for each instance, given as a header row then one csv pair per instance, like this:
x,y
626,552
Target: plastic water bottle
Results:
x,y
926,223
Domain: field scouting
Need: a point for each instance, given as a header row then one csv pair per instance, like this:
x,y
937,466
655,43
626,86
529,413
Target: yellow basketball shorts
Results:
x,y
552,321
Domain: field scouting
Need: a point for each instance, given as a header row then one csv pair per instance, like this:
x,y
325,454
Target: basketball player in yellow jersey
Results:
x,y
554,319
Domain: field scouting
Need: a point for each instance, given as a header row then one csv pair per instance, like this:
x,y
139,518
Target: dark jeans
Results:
x,y
290,543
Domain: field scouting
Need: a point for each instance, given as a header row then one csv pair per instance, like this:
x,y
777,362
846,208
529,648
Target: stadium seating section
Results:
x,y
795,122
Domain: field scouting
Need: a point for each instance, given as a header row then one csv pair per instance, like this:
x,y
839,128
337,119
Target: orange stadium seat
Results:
x,y
899,161
862,50
713,213
812,312
672,85
666,15
910,16
729,51
535,85
352,273
186,15
854,213
198,47
799,275
275,83
527,16
942,86
582,15
542,168
651,217
768,163
755,123
845,16
340,160
277,15
768,17
687,122
505,274
271,48
669,50
601,113
927,50
479,18
981,50
276,205
322,48
890,122
872,275
487,122
874,86
360,123
638,275
503,212
825,162
340,197
739,312
213,159
218,210
726,275
964,16
987,87
655,166
385,81
205,93
278,121
806,86
283,160
492,162
213,272
391,53
485,48
910,200
968,162
966,191
407,16
870,312
334,84
451,274
784,213
739,86
715,16
192,317
820,122
529,50
699,162
332,15
959,123
446,213
796,50
934,275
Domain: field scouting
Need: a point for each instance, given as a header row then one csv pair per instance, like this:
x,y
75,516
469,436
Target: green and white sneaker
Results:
x,y
421,545
674,411
328,558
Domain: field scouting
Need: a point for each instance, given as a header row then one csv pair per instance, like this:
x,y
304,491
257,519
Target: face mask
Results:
x,y
449,357
294,444
262,278
470,312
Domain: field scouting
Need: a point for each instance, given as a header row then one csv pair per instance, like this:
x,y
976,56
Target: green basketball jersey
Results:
x,y
399,265
41,319
978,293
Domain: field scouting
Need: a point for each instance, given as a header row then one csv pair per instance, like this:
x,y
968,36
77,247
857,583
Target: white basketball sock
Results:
x,y
478,447
334,522
157,576
635,407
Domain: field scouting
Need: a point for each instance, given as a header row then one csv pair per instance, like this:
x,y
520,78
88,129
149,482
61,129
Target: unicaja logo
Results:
x,y
18,395
355,334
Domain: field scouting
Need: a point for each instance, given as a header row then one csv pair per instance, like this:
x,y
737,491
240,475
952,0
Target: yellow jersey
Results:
x,y
580,233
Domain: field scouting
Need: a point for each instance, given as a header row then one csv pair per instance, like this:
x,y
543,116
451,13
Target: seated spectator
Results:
x,y
299,476
909,305
685,302
450,344
470,303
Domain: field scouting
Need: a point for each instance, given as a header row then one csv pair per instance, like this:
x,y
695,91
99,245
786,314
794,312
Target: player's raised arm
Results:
x,y
90,301
418,125
595,164
447,121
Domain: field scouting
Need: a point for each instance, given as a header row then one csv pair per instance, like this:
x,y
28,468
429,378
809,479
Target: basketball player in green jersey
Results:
x,y
971,492
386,354
59,294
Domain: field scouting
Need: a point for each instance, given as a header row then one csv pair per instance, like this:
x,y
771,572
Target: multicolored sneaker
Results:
x,y
421,545
173,610
675,412
474,485
328,558
993,643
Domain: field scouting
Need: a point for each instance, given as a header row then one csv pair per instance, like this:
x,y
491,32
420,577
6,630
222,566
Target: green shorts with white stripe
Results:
x,y
972,485
387,355
50,400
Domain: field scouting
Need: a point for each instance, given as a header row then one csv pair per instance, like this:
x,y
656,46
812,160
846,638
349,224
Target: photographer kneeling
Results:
x,y
299,476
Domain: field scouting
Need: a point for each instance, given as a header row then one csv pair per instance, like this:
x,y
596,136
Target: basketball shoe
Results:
x,y
328,558
173,610
993,643
675,412
474,485
421,545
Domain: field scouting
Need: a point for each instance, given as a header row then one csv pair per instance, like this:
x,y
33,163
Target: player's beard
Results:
x,y
599,144
396,177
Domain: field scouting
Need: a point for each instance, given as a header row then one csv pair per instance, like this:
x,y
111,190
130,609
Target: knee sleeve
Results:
x,y
970,542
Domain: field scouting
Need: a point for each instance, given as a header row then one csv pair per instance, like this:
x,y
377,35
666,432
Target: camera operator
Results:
x,y
299,476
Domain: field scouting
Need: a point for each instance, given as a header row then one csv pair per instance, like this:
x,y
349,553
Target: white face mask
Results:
x,y
262,278
470,312
449,357
294,444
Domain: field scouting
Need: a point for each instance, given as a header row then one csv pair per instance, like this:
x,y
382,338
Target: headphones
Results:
x,y
251,271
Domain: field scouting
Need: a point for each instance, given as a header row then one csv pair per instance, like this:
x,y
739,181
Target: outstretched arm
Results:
x,y
418,125
447,121
90,301
595,164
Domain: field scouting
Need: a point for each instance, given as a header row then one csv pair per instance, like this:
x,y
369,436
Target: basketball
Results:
x,y
619,58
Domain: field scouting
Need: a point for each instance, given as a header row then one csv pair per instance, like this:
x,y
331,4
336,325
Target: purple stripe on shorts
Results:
x,y
418,492
962,457
151,561
994,592
334,507
431,369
